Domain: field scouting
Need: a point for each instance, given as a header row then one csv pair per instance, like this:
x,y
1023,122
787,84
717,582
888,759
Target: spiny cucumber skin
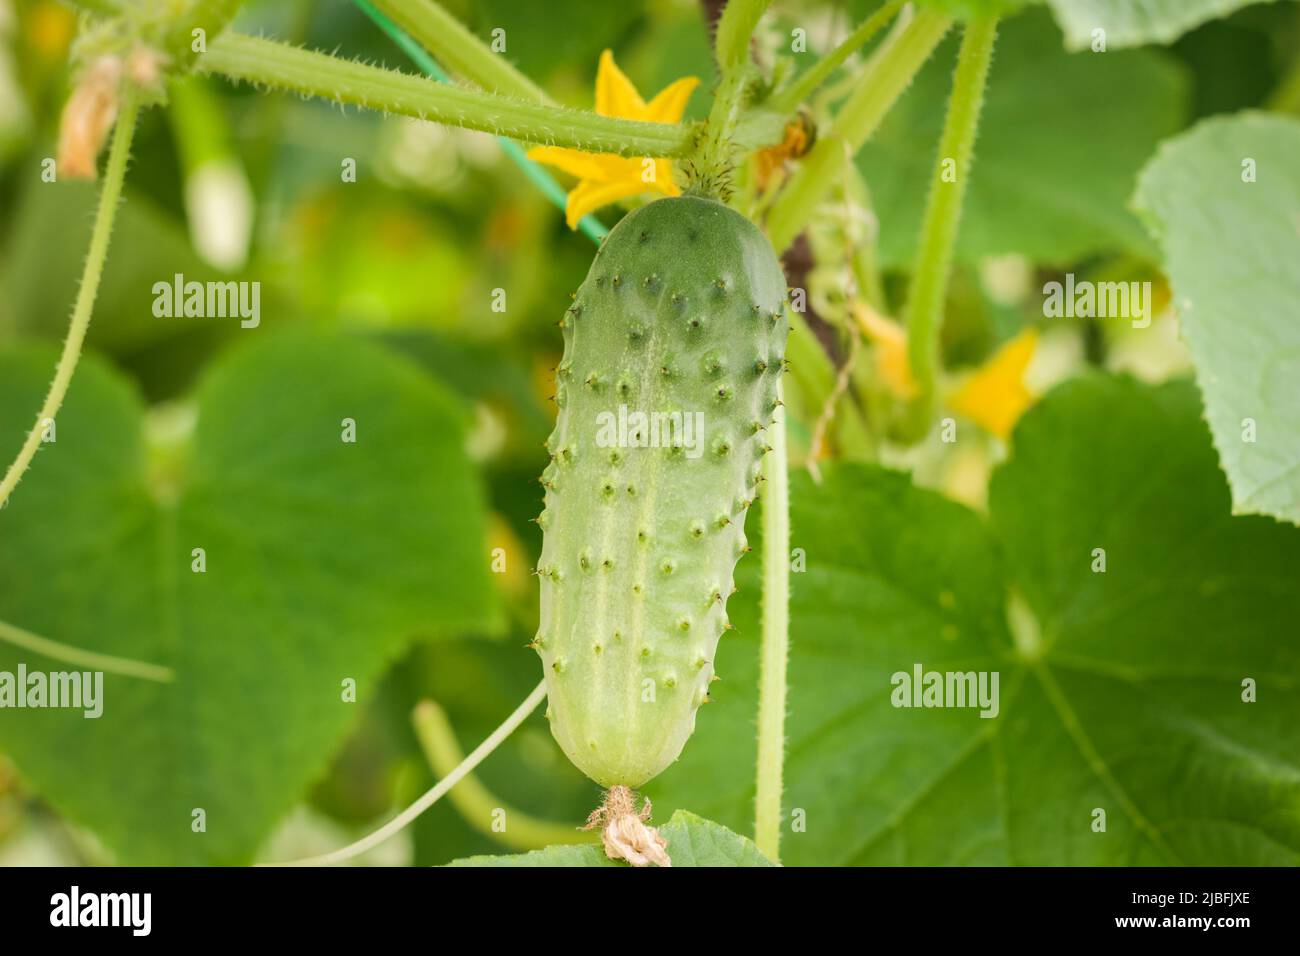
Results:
x,y
683,310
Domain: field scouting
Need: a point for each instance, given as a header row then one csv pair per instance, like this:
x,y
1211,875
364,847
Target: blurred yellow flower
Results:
x,y
771,161
604,178
50,28
890,349
994,396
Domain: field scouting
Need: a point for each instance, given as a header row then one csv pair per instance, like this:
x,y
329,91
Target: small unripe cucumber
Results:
x,y
683,311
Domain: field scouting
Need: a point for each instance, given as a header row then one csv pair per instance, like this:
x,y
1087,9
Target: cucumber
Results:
x,y
682,312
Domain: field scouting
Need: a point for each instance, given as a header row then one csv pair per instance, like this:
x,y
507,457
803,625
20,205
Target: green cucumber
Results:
x,y
682,312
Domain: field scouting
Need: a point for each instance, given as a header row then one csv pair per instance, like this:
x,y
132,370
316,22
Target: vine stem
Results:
x,y
930,275
476,803
878,89
789,100
268,63
434,793
714,160
109,197
83,658
731,46
464,53
735,29
775,643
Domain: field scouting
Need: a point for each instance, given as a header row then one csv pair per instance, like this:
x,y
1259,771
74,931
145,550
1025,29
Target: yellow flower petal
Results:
x,y
669,105
661,177
615,94
890,341
590,195
664,178
995,395
605,177
572,161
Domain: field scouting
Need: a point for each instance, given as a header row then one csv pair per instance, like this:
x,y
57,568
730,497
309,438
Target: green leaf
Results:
x,y
323,560
1061,140
895,575
1150,656
1135,22
1120,691
692,841
1232,253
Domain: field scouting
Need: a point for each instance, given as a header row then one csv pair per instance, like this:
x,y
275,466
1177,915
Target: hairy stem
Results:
x,y
477,804
434,793
463,53
83,658
929,282
277,65
735,28
210,16
790,99
775,643
878,89
714,160
109,196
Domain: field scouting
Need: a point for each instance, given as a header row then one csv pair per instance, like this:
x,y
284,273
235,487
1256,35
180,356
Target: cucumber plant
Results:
x,y
683,318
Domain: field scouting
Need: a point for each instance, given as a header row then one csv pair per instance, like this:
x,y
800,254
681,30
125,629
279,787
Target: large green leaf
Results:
x,y
1136,22
1144,663
323,559
692,841
1119,690
1060,143
1232,252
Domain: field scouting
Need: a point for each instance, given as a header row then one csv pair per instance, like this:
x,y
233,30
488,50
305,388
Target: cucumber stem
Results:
x,y
775,643
711,169
268,63
713,163
434,793
735,29
109,198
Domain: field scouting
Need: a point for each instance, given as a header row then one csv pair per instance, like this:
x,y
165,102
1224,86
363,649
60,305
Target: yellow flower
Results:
x,y
995,395
604,178
890,347
50,29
